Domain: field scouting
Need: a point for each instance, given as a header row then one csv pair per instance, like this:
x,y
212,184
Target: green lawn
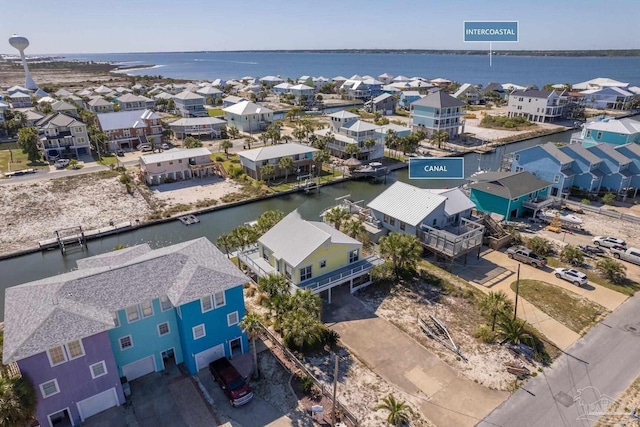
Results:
x,y
20,160
109,160
577,314
215,112
627,287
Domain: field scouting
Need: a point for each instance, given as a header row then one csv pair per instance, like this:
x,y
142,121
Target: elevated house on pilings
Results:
x,y
441,219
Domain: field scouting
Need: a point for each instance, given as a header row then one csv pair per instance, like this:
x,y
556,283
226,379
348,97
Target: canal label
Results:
x,y
436,168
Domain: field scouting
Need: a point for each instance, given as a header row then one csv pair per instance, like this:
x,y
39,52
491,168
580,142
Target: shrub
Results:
x,y
609,199
572,255
585,201
219,159
484,334
306,383
330,337
540,246
125,178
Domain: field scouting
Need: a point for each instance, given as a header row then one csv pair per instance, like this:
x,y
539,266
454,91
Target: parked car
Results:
x,y
120,153
525,255
629,255
144,147
591,250
61,163
608,242
231,382
572,275
165,146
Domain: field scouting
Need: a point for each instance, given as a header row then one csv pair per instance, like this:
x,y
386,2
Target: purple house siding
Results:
x,y
74,378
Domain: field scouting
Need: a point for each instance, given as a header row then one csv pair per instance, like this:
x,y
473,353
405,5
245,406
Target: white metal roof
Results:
x,y
407,203
456,202
276,151
174,154
247,107
197,121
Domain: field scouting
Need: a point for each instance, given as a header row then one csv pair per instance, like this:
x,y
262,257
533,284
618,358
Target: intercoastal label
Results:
x,y
490,31
436,168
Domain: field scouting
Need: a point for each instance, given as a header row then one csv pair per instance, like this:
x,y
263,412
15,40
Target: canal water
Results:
x,y
38,265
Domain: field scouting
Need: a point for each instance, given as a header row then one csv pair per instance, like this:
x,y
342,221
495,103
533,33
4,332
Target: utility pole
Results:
x,y
335,390
515,307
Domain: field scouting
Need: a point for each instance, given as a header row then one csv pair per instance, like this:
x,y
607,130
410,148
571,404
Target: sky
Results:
x,y
99,26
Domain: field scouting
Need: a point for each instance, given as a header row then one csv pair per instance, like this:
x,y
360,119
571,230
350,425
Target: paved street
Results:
x,y
448,398
598,367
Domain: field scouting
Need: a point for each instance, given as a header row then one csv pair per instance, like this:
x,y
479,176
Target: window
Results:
x,y
199,332
232,318
219,300
354,255
385,218
75,349
146,308
516,157
305,273
206,304
163,329
57,355
132,313
288,271
265,254
392,221
323,263
158,164
599,136
179,160
402,225
116,319
170,163
165,304
519,169
49,388
98,369
126,342
435,222
556,179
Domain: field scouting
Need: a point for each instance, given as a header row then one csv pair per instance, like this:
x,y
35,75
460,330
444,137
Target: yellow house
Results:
x,y
311,255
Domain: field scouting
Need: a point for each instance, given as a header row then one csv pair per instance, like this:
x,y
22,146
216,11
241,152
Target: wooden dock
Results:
x,y
81,236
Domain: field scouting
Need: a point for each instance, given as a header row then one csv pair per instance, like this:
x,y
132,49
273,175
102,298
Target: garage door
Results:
x,y
98,403
205,357
137,369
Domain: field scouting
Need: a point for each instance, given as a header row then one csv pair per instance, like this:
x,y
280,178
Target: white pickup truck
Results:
x,y
630,254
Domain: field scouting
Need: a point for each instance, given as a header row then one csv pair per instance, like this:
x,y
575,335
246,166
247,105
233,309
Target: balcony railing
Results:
x,y
329,280
537,204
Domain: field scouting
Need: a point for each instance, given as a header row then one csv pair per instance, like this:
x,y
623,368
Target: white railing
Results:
x,y
327,282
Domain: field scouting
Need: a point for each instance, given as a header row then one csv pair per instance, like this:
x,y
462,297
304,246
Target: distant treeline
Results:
x,y
604,52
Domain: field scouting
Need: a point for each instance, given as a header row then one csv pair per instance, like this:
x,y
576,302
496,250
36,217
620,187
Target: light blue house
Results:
x,y
510,194
408,97
607,97
615,166
549,163
608,130
438,111
632,151
587,165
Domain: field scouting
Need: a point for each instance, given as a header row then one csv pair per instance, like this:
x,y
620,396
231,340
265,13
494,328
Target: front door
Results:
x,y
60,419
235,345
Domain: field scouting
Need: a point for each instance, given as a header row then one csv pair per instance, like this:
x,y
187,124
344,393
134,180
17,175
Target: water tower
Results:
x,y
21,43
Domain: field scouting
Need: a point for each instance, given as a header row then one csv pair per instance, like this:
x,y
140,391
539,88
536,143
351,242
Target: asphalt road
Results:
x,y
580,383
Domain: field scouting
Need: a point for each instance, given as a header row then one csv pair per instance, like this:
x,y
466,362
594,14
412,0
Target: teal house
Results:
x,y
608,130
510,194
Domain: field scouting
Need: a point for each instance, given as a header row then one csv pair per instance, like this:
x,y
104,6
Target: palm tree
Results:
x,y
572,255
321,157
494,303
369,143
439,137
287,138
285,164
402,250
513,330
250,324
268,171
399,411
355,229
17,401
336,215
225,242
391,139
352,150
299,134
225,145
307,301
301,329
611,269
244,236
233,132
267,220
276,287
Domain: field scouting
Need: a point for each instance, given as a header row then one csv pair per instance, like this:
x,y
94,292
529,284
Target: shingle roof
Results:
x,y
531,93
558,154
98,102
129,97
438,99
208,90
514,185
59,120
407,203
61,105
610,151
174,154
247,107
580,151
632,147
360,126
125,119
187,94
343,114
43,314
294,239
276,151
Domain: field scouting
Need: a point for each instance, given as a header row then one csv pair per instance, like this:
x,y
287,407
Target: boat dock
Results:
x,y
188,219
80,237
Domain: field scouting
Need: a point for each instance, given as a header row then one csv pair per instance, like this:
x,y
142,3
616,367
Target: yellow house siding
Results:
x,y
336,256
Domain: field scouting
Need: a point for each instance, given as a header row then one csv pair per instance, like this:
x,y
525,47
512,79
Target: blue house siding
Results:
x,y
490,203
217,330
593,137
544,166
145,338
423,116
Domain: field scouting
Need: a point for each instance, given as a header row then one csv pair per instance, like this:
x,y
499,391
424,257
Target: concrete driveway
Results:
x,y
448,398
160,399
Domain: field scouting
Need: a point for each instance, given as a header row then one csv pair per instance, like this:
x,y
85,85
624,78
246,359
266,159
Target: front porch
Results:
x,y
452,241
